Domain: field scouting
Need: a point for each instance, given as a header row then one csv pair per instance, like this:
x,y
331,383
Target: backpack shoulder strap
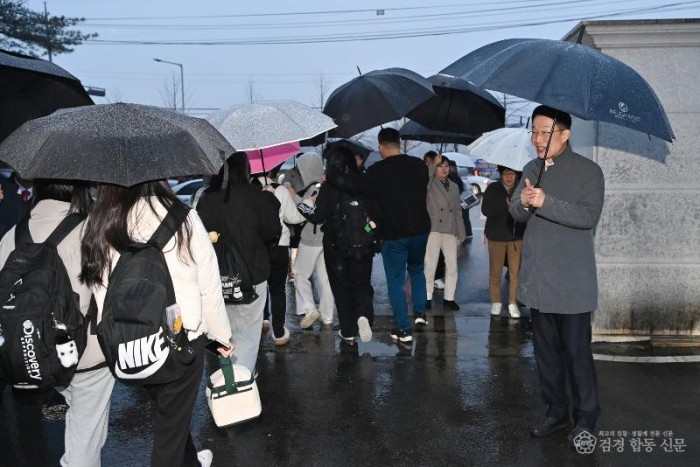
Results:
x,y
22,234
64,228
171,223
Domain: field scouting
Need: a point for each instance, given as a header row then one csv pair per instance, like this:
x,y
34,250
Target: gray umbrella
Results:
x,y
570,77
262,125
122,144
374,98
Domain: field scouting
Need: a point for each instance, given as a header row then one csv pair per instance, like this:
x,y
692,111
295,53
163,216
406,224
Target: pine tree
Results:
x,y
36,33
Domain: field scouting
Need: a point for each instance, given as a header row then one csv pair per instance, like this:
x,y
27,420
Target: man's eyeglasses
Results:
x,y
546,134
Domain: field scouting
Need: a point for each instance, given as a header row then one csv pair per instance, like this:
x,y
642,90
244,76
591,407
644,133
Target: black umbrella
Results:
x,y
355,146
459,106
374,98
570,77
413,131
122,144
32,88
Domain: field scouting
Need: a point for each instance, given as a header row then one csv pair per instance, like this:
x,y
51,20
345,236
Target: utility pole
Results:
x,y
48,33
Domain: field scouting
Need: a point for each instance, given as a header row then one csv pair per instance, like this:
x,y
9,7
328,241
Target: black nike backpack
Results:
x,y
140,342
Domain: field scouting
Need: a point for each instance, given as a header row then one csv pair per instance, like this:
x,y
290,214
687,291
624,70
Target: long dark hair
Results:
x,y
77,193
234,172
341,162
107,226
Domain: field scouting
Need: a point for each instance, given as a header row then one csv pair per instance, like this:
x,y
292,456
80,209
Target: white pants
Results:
x,y
448,244
310,260
246,324
87,417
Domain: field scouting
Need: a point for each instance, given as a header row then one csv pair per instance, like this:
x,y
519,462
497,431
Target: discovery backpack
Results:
x,y
140,332
42,331
356,234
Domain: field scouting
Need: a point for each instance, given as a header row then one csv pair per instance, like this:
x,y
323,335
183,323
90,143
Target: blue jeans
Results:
x,y
398,256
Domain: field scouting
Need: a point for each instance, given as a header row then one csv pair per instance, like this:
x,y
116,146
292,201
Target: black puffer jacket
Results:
x,y
250,218
500,225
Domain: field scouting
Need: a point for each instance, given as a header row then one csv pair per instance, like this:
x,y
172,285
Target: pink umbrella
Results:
x,y
273,156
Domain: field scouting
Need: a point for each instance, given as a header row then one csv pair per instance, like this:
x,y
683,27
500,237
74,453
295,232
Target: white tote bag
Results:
x,y
232,394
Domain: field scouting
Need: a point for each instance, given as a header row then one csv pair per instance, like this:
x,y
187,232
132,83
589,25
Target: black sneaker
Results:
x,y
428,305
402,336
450,305
420,320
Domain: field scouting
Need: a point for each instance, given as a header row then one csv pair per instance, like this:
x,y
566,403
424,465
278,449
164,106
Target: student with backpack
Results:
x,y
249,218
88,392
350,241
142,244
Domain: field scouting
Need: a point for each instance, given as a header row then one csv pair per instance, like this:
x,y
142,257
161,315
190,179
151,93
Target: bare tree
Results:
x,y
251,94
170,91
115,95
322,85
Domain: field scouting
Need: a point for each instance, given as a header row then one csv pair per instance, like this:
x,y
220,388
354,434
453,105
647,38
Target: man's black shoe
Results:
x,y
420,320
428,305
548,426
450,305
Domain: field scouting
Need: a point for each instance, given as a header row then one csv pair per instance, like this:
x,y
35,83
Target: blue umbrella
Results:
x,y
570,77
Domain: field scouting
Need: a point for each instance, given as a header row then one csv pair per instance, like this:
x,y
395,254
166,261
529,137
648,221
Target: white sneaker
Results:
x,y
365,329
205,457
310,318
513,311
496,309
439,283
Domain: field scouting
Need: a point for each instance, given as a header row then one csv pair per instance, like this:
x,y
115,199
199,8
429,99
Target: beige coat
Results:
x,y
444,207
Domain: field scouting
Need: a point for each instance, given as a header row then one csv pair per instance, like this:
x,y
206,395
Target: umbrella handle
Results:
x,y
546,152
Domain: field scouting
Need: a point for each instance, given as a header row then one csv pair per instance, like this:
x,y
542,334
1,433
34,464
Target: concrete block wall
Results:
x,y
648,239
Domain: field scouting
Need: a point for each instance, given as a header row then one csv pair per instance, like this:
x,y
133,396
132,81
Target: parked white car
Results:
x,y
477,183
185,190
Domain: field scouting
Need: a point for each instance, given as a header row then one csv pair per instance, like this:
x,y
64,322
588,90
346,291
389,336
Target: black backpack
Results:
x,y
235,277
136,334
357,233
42,331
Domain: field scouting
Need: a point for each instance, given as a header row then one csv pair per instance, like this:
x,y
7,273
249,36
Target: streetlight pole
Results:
x,y
182,80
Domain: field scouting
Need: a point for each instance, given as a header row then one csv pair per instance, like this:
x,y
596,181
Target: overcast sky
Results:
x,y
282,49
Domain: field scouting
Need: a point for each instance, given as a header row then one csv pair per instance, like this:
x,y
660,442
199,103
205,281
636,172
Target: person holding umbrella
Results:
x,y
505,238
558,278
122,215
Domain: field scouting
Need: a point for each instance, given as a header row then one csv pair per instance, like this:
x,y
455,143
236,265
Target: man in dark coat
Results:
x,y
558,278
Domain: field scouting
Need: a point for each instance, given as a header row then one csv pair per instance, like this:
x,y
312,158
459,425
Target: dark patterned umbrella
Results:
x,y
32,88
122,144
570,77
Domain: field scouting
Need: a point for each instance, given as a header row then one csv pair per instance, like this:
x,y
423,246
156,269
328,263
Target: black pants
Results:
x,y
562,346
350,280
467,223
174,402
277,285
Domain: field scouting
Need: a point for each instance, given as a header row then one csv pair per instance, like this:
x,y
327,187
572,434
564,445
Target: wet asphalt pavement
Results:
x,y
463,394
